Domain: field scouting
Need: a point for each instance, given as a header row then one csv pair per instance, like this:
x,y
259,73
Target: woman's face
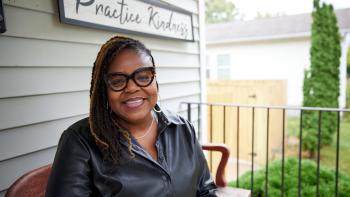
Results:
x,y
134,103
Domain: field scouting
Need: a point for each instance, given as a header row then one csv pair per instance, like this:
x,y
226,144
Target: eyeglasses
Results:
x,y
143,77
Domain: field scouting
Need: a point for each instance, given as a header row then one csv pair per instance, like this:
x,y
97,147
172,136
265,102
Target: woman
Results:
x,y
128,146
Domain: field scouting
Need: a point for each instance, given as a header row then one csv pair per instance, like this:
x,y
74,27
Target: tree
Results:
x,y
348,63
321,82
219,11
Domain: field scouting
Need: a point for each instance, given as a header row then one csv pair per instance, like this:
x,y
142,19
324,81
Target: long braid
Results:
x,y
104,126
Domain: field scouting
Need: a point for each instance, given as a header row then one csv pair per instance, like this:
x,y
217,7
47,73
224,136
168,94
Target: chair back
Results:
x,y
31,184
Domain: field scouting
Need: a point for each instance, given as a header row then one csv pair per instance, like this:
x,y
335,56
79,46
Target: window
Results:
x,y
223,60
223,66
207,71
208,67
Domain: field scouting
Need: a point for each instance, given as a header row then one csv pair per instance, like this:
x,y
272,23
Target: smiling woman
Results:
x,y
128,146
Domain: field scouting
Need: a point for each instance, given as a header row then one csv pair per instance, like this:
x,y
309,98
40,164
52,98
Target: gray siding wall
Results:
x,y
45,70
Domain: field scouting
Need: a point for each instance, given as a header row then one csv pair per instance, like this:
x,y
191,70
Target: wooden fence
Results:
x,y
226,123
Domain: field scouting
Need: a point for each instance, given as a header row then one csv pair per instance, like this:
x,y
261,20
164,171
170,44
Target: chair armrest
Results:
x,y
30,184
225,154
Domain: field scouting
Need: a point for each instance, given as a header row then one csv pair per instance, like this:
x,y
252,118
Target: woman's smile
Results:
x,y
134,102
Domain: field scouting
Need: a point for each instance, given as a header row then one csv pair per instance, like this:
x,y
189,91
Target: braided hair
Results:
x,y
104,126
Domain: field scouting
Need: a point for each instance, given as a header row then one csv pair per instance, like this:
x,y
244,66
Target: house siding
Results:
x,y
45,72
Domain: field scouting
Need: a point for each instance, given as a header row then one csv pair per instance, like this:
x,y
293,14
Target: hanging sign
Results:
x,y
2,18
146,17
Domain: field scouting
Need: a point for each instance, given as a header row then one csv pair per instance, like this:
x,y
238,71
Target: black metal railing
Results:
x,y
198,106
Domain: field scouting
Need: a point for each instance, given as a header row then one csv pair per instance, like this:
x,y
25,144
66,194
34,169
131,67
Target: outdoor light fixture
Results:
x,y
2,18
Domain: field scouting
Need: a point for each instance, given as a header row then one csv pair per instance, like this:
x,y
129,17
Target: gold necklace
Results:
x,y
147,132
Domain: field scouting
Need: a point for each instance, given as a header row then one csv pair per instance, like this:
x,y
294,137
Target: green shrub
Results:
x,y
308,180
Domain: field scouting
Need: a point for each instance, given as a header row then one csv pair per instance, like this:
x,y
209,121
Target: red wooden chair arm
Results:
x,y
31,184
225,154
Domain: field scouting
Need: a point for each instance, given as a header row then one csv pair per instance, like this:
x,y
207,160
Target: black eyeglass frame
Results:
x,y
128,77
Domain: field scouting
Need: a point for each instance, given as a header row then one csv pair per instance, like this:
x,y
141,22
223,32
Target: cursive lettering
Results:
x,y
122,14
86,3
166,24
132,14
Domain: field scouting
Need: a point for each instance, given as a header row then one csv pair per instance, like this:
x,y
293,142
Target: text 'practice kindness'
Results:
x,y
123,15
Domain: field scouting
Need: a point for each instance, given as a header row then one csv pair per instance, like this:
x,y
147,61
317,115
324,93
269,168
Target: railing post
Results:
x,y
267,151
318,153
252,173
300,151
283,145
211,135
199,122
224,124
237,182
337,156
189,111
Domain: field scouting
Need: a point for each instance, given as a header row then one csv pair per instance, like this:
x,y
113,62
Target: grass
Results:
x,y
328,153
293,126
347,115
328,156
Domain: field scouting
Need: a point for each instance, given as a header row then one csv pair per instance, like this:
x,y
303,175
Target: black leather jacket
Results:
x,y
181,169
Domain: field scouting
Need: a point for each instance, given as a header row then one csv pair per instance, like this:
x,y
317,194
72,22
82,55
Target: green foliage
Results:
x,y
321,82
308,180
328,153
217,11
347,114
348,63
